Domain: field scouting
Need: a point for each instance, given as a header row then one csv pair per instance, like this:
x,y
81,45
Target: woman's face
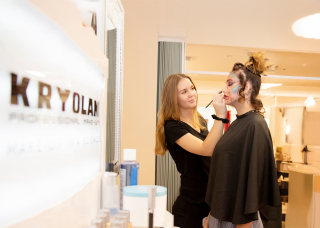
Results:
x,y
231,90
187,94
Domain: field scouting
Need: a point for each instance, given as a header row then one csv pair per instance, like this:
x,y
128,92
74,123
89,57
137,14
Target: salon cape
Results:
x,y
243,179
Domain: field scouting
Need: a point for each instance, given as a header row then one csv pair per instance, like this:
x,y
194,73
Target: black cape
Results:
x,y
243,178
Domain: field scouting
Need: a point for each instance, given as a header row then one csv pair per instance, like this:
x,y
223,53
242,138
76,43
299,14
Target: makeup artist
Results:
x,y
243,190
183,131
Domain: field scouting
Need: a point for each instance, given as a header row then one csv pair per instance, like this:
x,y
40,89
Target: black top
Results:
x,y
194,169
243,179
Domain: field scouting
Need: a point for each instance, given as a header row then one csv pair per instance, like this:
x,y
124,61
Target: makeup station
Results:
x,y
67,116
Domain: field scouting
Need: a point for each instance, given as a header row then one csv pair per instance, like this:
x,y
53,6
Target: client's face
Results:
x,y
187,94
231,90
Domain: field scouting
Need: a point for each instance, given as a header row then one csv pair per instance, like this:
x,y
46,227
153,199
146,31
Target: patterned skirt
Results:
x,y
215,223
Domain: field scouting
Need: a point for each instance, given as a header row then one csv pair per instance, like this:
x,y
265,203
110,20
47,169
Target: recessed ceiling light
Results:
x,y
308,27
268,85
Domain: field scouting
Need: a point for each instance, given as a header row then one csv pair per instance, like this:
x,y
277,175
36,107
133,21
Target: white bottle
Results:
x,y
109,169
111,200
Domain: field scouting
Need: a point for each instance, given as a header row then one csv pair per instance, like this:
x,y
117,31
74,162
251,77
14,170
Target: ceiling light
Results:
x,y
309,102
308,27
268,85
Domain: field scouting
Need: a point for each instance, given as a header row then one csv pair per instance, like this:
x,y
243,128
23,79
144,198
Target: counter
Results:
x,y
303,208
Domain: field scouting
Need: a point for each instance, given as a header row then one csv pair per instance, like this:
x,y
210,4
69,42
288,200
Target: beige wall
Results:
x,y
276,126
314,108
140,87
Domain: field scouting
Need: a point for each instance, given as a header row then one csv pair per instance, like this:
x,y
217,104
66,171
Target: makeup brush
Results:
x,y
212,100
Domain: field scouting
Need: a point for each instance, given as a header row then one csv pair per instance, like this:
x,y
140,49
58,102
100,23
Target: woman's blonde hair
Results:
x,y
170,110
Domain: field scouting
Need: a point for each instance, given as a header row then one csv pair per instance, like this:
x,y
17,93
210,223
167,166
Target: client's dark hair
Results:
x,y
251,72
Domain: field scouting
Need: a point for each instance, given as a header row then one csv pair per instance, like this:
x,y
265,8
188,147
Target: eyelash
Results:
x,y
230,84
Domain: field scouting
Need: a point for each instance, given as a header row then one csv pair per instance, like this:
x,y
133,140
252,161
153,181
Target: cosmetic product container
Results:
x,y
118,224
112,219
112,194
97,222
103,216
107,212
151,205
135,199
127,214
129,171
109,169
122,218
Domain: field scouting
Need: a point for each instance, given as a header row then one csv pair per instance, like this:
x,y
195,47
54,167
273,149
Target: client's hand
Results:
x,y
219,105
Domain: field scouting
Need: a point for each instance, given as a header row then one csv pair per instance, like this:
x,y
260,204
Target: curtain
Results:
x,y
111,55
169,62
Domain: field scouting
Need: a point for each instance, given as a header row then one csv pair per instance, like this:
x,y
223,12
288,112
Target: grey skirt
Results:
x,y
215,223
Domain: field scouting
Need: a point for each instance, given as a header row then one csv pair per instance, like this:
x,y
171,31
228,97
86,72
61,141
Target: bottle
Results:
x,y
109,169
121,217
127,214
151,206
97,223
107,212
112,194
129,171
103,216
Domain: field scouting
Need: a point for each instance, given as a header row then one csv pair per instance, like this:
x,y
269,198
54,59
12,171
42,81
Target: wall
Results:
x,y
314,108
311,135
140,85
276,126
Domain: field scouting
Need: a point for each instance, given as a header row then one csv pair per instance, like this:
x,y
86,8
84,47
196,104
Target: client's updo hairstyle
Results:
x,y
251,72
